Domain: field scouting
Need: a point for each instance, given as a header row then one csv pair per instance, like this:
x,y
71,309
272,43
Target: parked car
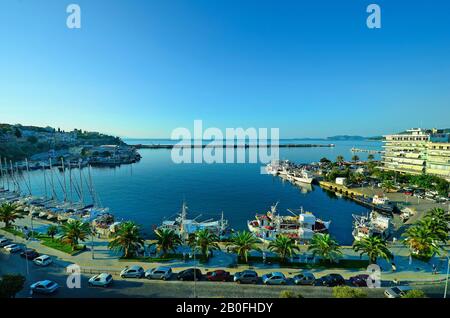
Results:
x,y
102,280
13,248
29,254
359,280
43,260
304,278
162,272
246,277
4,241
188,274
274,278
332,280
44,287
134,271
218,275
396,292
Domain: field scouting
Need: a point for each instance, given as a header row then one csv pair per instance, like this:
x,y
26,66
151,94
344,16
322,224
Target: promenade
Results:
x,y
103,259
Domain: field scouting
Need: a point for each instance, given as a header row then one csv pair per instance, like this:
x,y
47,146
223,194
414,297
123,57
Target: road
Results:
x,y
13,263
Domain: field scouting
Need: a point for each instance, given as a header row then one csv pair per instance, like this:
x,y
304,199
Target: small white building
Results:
x,y
341,181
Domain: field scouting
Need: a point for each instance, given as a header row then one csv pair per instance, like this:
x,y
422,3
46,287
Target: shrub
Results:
x,y
290,294
414,293
348,292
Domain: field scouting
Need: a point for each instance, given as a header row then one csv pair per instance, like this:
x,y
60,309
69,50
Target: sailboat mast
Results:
x,y
1,173
45,182
70,183
28,175
81,183
64,179
52,183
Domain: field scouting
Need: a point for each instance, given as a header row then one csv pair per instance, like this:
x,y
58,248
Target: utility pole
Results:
x,y
446,281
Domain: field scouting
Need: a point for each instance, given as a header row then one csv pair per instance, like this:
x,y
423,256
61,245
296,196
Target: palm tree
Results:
x,y
324,246
52,230
374,247
242,243
75,231
206,242
355,158
387,185
284,246
340,159
438,221
9,213
422,240
167,240
127,239
370,157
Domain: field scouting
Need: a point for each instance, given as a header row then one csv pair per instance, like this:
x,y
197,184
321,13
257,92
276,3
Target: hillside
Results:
x,y
18,142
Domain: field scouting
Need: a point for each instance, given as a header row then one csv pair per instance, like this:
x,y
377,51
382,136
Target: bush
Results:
x,y
290,294
10,285
348,292
414,293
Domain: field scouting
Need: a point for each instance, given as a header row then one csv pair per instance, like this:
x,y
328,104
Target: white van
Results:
x,y
43,260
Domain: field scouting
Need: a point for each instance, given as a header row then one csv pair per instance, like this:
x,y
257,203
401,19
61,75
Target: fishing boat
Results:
x,y
184,226
375,224
301,227
303,176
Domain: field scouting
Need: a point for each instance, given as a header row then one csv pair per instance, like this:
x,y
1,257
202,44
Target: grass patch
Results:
x,y
158,259
61,246
13,231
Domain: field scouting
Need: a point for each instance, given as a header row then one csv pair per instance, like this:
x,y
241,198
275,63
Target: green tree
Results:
x,y
325,160
355,158
324,246
414,293
166,240
10,285
242,243
75,231
348,292
9,213
17,133
206,241
52,230
127,239
422,240
340,159
438,220
284,246
387,185
374,247
370,157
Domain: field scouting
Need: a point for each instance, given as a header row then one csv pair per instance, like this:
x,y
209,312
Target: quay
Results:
x,y
167,146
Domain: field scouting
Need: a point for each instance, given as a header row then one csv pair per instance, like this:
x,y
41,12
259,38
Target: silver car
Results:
x,y
304,278
103,280
134,271
396,292
161,272
274,278
44,287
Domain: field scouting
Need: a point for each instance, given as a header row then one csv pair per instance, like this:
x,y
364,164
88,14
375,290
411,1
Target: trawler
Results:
x,y
185,227
374,224
303,176
301,227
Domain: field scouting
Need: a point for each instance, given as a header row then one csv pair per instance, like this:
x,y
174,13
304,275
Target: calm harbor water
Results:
x,y
153,189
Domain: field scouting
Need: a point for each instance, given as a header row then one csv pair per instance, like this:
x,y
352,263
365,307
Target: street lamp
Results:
x,y
446,280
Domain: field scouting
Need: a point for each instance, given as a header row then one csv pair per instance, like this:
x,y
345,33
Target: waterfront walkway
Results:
x,y
103,259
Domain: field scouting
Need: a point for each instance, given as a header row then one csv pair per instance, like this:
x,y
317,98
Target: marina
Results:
x,y
148,192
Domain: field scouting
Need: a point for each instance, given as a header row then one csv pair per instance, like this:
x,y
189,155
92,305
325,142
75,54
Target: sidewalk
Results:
x,y
107,260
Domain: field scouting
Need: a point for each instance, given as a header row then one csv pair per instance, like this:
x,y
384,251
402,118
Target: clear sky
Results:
x,y
143,68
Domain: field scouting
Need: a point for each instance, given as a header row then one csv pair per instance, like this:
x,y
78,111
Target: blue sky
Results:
x,y
143,68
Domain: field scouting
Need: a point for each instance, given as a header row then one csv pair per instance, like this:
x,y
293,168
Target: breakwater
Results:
x,y
167,146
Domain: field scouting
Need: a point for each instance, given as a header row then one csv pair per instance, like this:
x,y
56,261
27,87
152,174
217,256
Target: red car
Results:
x,y
218,276
359,280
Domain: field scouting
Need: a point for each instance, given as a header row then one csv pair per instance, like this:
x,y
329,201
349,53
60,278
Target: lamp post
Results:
x,y
446,280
